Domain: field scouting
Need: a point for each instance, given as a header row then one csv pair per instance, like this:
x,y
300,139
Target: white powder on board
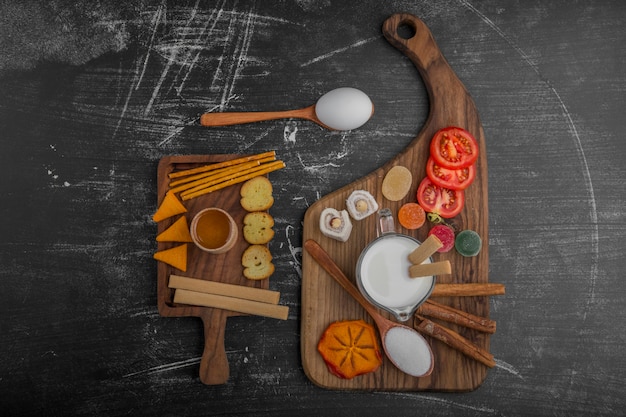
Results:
x,y
408,350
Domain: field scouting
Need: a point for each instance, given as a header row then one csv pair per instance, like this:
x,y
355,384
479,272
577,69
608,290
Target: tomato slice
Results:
x,y
442,201
454,179
454,148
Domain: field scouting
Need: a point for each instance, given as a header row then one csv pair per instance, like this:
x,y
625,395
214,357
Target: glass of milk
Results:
x,y
382,271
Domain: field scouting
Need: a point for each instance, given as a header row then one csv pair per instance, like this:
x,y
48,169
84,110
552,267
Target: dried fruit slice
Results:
x,y
170,206
350,348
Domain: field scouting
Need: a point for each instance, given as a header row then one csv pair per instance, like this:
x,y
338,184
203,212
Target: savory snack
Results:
x,y
256,194
176,256
361,204
257,227
257,262
335,224
350,348
177,232
170,206
397,183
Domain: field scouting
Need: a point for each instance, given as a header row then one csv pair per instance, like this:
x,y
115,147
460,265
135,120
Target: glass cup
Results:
x,y
382,271
213,230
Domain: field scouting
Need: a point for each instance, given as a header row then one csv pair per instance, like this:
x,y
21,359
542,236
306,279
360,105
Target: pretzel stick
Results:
x,y
212,177
466,290
270,168
223,164
214,172
452,315
455,341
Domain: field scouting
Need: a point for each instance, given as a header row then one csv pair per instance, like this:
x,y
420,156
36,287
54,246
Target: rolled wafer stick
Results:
x,y
427,270
231,303
221,288
274,166
425,250
223,164
449,314
455,341
467,290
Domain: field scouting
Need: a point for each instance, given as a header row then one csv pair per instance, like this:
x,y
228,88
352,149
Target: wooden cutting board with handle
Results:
x,y
324,301
225,267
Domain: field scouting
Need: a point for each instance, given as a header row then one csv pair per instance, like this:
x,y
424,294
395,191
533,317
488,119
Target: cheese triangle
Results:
x,y
176,256
177,232
170,206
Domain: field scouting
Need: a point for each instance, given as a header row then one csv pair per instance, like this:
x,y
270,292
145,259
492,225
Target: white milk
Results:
x,y
384,271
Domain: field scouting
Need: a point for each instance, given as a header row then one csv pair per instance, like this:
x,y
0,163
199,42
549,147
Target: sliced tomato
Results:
x,y
454,148
454,179
442,201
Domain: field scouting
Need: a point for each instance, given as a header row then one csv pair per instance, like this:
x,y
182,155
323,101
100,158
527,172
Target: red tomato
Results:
x,y
454,148
445,234
454,179
442,201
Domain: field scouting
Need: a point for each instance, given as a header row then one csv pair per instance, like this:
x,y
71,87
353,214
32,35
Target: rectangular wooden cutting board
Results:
x,y
324,301
225,267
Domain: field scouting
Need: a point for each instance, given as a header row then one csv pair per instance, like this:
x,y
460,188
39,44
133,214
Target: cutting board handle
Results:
x,y
412,37
214,369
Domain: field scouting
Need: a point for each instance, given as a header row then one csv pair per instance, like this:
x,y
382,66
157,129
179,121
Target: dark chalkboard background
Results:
x,y
91,97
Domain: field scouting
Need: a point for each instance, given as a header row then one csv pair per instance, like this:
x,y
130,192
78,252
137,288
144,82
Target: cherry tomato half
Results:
x,y
454,148
443,201
454,179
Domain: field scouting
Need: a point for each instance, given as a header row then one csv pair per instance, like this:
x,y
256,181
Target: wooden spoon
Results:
x,y
403,345
343,108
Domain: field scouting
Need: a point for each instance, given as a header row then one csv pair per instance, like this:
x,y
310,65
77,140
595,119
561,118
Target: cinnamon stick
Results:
x,y
452,315
455,341
467,290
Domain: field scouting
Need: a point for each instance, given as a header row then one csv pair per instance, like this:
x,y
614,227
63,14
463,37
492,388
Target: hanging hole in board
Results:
x,y
406,30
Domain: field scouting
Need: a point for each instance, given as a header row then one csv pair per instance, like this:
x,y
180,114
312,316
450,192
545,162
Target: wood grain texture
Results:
x,y
323,302
93,96
224,267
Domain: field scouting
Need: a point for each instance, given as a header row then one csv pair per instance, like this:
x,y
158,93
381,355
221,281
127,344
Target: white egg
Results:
x,y
344,108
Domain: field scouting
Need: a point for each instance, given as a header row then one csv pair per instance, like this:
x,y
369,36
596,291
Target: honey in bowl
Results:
x,y
214,230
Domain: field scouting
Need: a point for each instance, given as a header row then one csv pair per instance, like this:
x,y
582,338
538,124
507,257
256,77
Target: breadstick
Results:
x,y
216,165
212,176
236,180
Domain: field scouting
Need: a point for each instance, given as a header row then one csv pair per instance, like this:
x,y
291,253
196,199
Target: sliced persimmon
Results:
x,y
350,348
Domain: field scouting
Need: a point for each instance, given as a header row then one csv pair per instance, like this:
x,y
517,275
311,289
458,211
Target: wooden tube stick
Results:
x,y
467,290
455,341
220,288
426,270
425,250
452,315
230,303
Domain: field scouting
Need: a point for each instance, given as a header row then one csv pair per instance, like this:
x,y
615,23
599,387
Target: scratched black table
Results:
x,y
92,98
